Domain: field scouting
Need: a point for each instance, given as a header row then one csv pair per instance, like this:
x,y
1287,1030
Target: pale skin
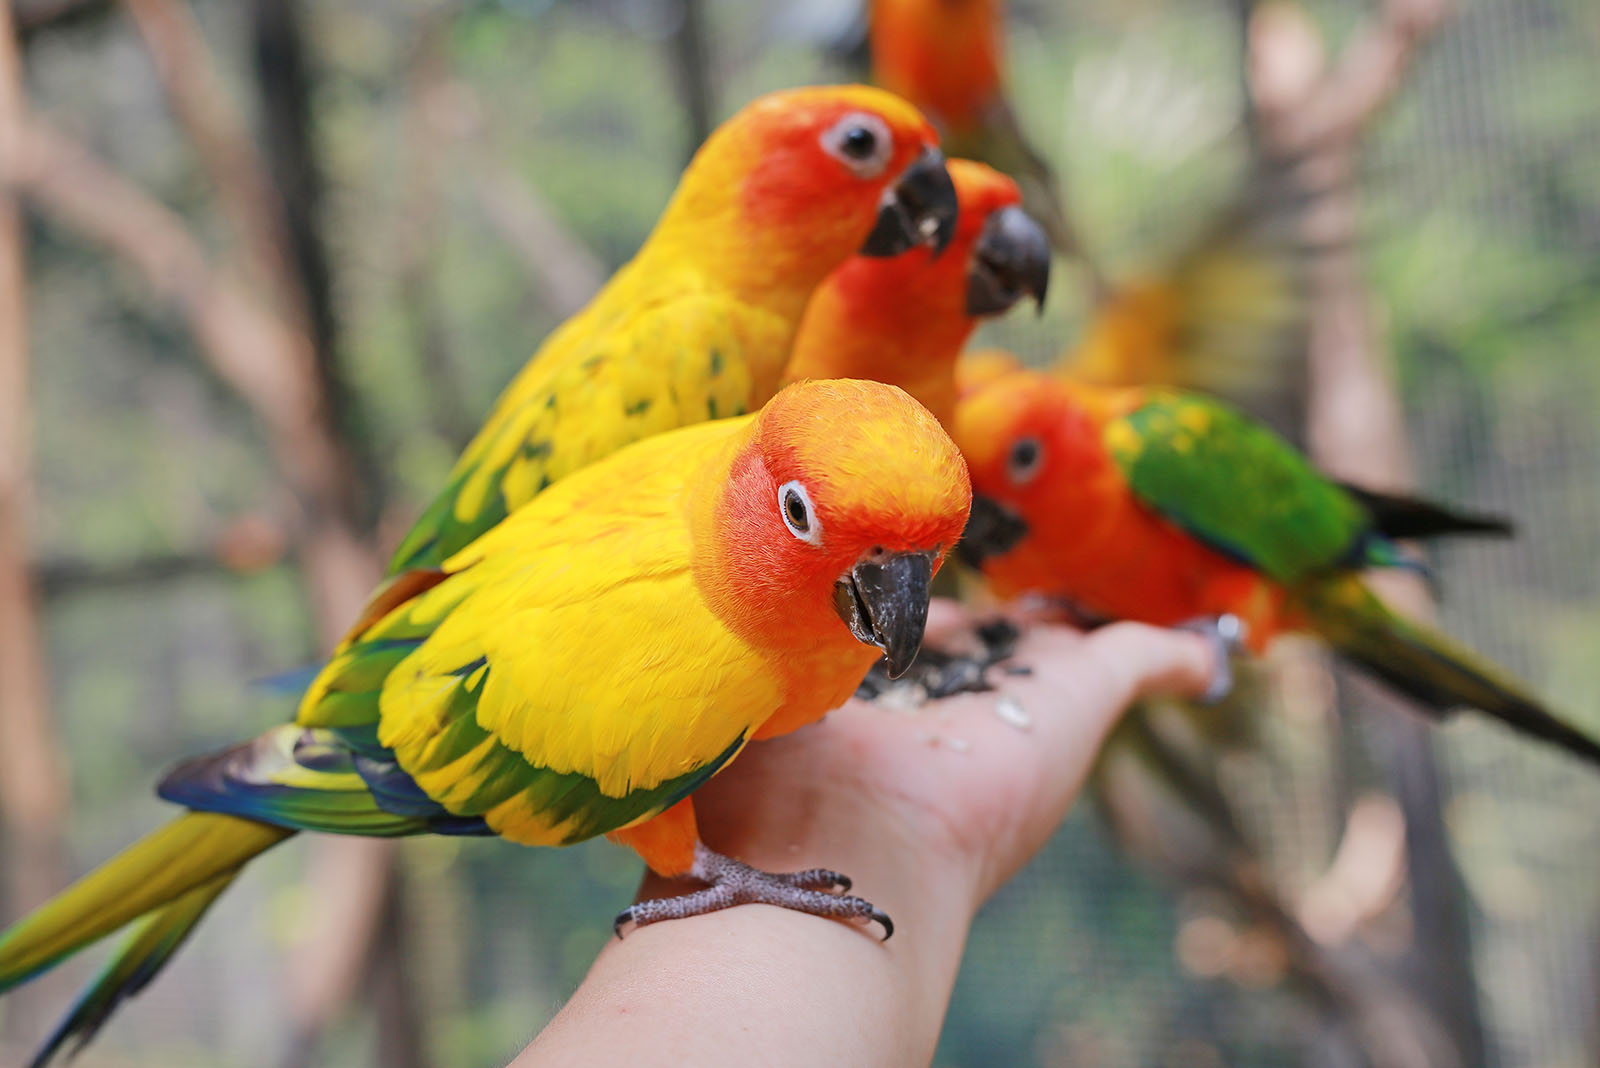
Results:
x,y
927,832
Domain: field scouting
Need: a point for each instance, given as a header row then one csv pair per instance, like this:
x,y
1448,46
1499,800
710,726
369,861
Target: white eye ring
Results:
x,y
1024,460
862,142
794,504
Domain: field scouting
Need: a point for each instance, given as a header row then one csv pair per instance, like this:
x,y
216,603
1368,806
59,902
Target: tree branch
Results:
x,y
1305,108
245,546
33,786
1312,118
221,138
269,363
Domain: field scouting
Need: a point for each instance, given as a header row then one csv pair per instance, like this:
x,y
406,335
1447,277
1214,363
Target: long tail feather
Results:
x,y
192,851
1430,667
1405,517
144,952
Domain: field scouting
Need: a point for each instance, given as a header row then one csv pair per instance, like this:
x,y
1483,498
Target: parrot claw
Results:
x,y
817,891
1227,634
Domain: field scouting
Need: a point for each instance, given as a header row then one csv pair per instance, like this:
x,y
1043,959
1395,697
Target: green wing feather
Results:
x,y
1237,487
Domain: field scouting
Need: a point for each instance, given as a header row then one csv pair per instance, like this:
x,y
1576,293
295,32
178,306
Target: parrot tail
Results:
x,y
1403,517
161,874
150,943
1429,666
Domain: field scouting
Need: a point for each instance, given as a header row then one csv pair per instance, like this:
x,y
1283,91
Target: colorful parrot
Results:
x,y
947,57
905,319
1227,316
1167,507
579,670
699,324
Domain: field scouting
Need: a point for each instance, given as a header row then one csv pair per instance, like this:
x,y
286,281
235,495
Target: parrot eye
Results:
x,y
861,142
1023,463
794,503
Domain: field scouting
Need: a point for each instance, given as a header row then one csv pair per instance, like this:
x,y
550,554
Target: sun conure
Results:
x,y
699,324
905,319
1227,315
1167,507
948,58
579,670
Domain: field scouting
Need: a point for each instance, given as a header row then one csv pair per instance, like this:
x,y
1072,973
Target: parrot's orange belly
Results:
x,y
1146,570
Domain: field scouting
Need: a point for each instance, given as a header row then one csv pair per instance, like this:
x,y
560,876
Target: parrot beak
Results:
x,y
1012,260
884,602
919,209
992,530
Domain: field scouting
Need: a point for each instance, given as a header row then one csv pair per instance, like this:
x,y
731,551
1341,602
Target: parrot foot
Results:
x,y
817,891
1226,632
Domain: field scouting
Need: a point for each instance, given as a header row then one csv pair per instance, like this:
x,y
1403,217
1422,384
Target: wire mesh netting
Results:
x,y
458,139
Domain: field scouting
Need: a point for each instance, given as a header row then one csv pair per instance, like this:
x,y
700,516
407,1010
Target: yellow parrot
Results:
x,y
577,671
699,324
904,319
948,58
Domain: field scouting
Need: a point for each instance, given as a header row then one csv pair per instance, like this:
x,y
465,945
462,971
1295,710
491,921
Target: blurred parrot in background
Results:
x,y
577,671
948,58
1169,508
699,324
905,319
1228,315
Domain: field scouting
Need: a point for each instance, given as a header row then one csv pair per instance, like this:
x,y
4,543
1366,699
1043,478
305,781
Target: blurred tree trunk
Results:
x,y
429,110
252,321
363,947
692,62
284,82
33,788
1310,116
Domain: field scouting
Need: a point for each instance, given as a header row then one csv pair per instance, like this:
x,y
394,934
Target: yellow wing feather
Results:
x,y
655,351
559,688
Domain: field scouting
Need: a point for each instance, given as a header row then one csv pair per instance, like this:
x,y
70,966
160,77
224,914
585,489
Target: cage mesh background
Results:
x,y
1481,214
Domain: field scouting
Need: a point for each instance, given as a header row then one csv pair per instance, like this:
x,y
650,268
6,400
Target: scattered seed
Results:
x,y
902,697
1010,710
940,741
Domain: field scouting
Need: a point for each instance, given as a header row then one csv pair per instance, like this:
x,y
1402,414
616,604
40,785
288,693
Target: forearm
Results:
x,y
761,985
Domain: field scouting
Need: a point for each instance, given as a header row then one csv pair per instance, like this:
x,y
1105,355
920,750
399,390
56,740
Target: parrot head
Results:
x,y
841,505
943,55
1036,460
1005,253
799,180
905,319
997,255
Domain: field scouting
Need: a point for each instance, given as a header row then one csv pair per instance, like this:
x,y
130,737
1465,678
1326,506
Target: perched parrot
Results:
x,y
947,57
579,670
905,319
699,324
1167,508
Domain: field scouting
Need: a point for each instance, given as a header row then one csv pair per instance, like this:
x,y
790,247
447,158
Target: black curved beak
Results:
x,y
992,530
1012,260
884,602
919,209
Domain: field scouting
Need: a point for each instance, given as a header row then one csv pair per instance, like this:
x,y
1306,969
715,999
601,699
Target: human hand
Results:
x,y
953,780
928,813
